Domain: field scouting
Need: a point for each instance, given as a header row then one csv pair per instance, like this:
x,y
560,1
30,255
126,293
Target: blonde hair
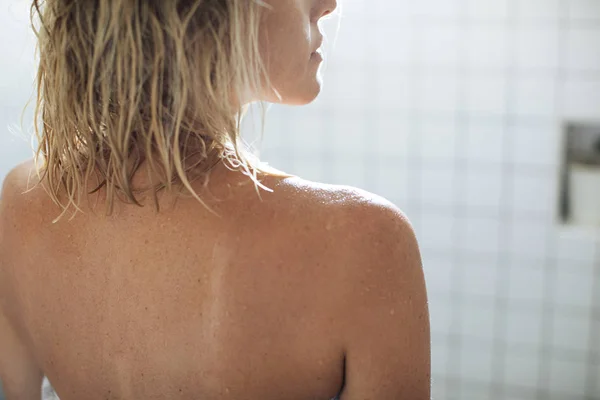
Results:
x,y
123,81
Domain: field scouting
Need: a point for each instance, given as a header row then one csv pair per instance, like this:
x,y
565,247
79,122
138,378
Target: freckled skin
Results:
x,y
184,304
312,291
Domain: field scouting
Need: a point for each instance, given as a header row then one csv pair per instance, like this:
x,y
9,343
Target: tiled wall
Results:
x,y
452,109
17,69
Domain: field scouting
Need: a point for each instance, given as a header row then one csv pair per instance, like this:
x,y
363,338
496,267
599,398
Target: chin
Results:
x,y
307,95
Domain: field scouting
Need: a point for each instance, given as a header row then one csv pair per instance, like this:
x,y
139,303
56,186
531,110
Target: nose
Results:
x,y
328,7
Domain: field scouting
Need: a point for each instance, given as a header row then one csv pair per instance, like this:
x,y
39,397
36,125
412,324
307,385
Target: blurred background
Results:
x,y
480,119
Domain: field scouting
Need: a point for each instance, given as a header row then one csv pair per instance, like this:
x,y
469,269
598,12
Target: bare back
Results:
x,y
181,304
252,304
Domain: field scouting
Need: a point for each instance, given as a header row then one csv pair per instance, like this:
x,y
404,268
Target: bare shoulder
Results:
x,y
20,203
18,190
13,185
20,180
362,214
365,233
380,290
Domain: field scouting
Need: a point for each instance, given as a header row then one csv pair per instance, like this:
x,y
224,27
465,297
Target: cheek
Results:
x,y
286,46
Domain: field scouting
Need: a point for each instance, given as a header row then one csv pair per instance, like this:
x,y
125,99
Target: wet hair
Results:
x,y
121,82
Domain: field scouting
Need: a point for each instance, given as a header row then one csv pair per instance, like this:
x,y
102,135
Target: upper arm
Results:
x,y
20,375
385,313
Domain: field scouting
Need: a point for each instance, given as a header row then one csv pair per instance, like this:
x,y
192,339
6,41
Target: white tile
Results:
x,y
582,267
391,181
348,173
439,359
412,209
528,239
436,93
305,133
573,289
576,246
524,328
537,47
438,273
468,391
484,188
437,187
487,9
487,46
535,97
274,135
567,377
484,142
348,135
351,42
440,46
582,99
476,322
479,279
476,364
437,232
536,144
561,396
588,10
571,332
486,95
310,170
526,282
344,88
522,371
392,135
386,34
481,235
437,140
280,160
538,10
391,90
535,194
438,386
434,8
440,314
394,9
582,49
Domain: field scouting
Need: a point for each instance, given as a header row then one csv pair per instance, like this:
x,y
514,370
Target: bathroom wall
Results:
x,y
453,110
17,71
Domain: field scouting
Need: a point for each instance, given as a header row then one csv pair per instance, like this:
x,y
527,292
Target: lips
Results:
x,y
319,44
316,55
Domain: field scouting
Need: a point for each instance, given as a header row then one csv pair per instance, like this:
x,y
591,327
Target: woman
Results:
x,y
194,284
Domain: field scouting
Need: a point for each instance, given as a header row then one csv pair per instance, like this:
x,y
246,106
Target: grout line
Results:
x,y
593,362
497,390
455,341
487,22
371,129
486,71
547,351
